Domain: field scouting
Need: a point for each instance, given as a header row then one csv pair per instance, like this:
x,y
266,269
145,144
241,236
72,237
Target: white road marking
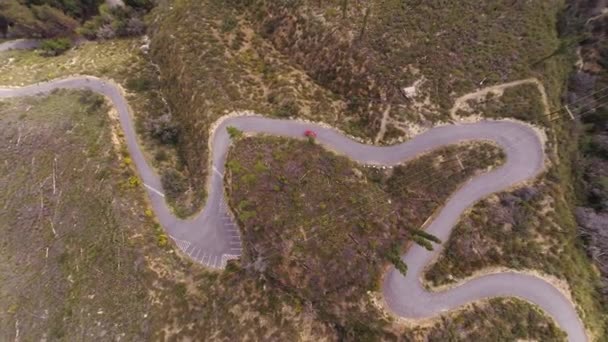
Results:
x,y
226,257
186,250
154,190
181,244
217,172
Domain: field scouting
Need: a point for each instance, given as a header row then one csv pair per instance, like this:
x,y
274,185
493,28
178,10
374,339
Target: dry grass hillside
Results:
x,y
335,226
377,69
383,70
409,59
83,259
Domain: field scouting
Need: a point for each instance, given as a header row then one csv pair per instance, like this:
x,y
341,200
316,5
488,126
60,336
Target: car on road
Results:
x,y
310,134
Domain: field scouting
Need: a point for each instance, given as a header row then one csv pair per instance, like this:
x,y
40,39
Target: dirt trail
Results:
x,y
385,118
461,102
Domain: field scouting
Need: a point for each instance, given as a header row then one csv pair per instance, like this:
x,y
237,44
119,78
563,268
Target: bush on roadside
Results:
x,y
287,109
55,47
234,132
174,183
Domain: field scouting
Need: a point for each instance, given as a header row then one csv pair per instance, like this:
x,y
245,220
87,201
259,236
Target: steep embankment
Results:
x,y
404,63
408,59
588,89
212,62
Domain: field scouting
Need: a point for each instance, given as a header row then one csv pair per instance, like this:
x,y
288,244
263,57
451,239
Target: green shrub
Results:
x,y
260,167
134,181
234,166
139,84
287,109
229,23
92,101
234,132
89,28
55,47
174,183
162,240
163,128
161,156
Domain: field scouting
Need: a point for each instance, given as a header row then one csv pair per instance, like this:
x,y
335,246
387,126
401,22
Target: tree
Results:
x,y
41,21
54,22
21,18
393,256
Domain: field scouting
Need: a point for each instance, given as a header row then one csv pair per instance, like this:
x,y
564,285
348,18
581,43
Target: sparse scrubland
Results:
x,y
82,257
380,70
72,224
591,77
334,226
313,60
125,62
535,228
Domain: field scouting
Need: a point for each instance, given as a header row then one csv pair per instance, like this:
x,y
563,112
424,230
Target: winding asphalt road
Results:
x,y
211,237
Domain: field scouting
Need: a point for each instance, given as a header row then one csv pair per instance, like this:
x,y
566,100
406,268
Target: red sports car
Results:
x,y
310,134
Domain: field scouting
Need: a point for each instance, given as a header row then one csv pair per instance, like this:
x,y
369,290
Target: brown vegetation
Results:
x,y
334,225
